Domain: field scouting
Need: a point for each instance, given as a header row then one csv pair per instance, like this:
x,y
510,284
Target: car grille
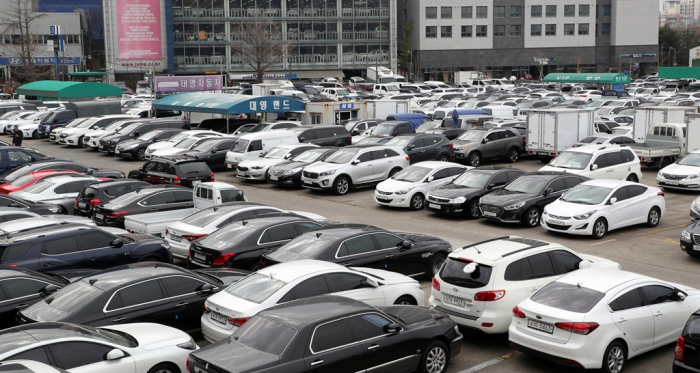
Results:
x,y
102,142
436,199
559,217
696,239
558,227
488,208
242,168
86,138
310,175
674,177
385,193
275,172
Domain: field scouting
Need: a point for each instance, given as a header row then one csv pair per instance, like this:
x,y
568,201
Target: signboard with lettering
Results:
x,y
189,83
139,30
16,61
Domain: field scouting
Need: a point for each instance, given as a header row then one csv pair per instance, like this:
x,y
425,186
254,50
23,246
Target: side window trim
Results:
x,y
7,293
105,310
267,229
313,335
362,235
378,314
181,295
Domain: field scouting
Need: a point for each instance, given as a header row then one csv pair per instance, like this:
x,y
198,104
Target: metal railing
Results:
x,y
198,13
191,61
364,35
195,37
293,12
312,35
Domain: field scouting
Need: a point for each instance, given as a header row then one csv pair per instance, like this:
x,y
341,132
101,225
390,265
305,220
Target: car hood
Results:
x,y
453,191
391,185
286,166
567,170
323,166
563,208
74,131
160,145
461,143
263,162
677,169
229,353
29,124
387,277
132,142
597,261
152,336
506,197
96,133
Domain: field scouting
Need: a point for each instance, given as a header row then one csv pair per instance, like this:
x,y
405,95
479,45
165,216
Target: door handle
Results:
x,y
182,304
317,362
119,319
49,264
372,347
389,256
658,313
93,258
622,320
21,306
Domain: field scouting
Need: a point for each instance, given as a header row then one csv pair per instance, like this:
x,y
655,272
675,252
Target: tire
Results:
x,y
416,202
341,185
164,368
36,134
544,159
141,154
393,172
150,259
633,178
80,142
531,218
600,228
406,300
473,211
436,263
255,267
444,158
653,217
474,159
435,358
513,155
614,358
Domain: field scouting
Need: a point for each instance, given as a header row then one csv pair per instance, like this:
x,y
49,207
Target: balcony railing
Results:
x,y
277,12
198,13
366,58
365,12
364,35
240,36
195,37
312,35
198,61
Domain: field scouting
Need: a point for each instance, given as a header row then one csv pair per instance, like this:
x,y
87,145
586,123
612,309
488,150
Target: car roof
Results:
x,y
266,134
592,148
14,210
312,126
600,279
291,271
36,222
610,183
437,164
495,249
24,335
47,230
64,179
266,220
337,231
148,189
313,310
496,169
123,274
119,182
233,206
546,174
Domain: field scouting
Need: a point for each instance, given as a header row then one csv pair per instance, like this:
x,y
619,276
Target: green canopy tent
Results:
x,y
51,90
609,78
679,72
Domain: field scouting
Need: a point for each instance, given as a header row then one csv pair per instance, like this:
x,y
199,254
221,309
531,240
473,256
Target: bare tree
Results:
x,y
18,18
259,42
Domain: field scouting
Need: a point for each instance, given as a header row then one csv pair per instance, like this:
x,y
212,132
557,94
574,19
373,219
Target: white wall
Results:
x,y
634,22
456,42
560,40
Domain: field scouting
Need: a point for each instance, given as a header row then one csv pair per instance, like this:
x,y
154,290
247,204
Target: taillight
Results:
x,y
76,201
436,284
680,349
206,309
116,214
451,145
518,313
192,237
408,158
188,362
211,176
94,202
177,181
660,194
222,258
261,265
489,296
166,231
239,321
583,328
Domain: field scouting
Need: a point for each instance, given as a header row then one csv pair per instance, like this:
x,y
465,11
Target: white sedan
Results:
x,y
595,207
128,348
29,125
182,146
59,190
256,168
169,143
684,174
409,186
10,116
227,310
599,318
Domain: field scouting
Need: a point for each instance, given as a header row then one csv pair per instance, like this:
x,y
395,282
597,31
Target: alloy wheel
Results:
x,y
342,186
435,361
142,154
417,202
533,217
616,359
654,216
474,210
600,229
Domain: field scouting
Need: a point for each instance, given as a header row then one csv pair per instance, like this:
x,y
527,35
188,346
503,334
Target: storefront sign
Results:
x,y
16,61
189,83
139,30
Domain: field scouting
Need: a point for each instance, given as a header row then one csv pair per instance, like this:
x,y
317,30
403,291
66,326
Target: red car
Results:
x,y
33,177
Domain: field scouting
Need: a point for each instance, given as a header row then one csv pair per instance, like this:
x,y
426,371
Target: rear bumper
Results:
x,y
544,356
680,367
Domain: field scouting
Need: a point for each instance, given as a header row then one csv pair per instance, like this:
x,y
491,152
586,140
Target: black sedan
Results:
x,y
141,292
332,334
289,173
136,148
58,165
450,133
365,246
461,196
212,151
690,239
240,244
523,200
41,208
152,198
94,194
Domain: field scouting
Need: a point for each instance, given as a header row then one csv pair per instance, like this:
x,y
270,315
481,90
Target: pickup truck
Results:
x,y
666,142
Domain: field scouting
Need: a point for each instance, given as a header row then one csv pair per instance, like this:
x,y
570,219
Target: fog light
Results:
x,y
692,185
325,182
402,200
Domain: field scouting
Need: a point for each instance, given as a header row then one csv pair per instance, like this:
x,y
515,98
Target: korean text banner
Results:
x,y
139,32
189,83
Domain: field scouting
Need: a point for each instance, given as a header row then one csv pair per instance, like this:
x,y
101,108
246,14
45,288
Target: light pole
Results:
x,y
669,55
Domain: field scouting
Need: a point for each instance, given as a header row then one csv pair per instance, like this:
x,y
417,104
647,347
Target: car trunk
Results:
x,y
203,255
458,288
540,321
220,314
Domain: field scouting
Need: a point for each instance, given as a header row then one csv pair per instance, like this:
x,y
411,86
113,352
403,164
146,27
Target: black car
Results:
x,y
94,194
332,334
323,135
153,198
58,165
213,151
365,246
68,246
136,148
240,244
424,147
141,292
687,359
450,133
690,238
289,173
134,130
225,125
41,208
356,127
176,170
461,196
523,199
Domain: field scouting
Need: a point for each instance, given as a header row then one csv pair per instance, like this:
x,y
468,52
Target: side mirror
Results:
x,y
287,156
410,147
484,141
681,296
548,191
594,167
491,186
117,243
392,329
206,289
213,151
15,205
406,245
136,134
356,161
612,200
584,264
302,138
372,282
48,289
430,178
115,354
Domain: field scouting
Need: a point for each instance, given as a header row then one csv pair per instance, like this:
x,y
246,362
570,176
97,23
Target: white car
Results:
x,y
408,187
605,139
695,210
10,116
74,136
599,318
684,174
54,189
598,162
28,366
257,168
169,143
184,145
595,207
19,225
56,132
29,125
128,348
92,137
588,95
479,284
227,310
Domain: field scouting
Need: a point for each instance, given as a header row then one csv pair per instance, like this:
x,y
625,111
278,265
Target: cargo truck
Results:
x,y
667,142
553,130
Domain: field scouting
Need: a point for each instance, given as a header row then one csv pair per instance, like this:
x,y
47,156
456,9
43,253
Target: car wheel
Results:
x,y
600,228
544,159
531,218
164,368
436,263
435,358
141,154
474,211
444,158
474,159
80,141
35,134
416,202
614,358
406,300
653,217
341,185
633,178
394,172
513,155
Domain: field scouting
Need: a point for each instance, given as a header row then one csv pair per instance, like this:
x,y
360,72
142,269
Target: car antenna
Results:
x,y
578,284
318,235
92,281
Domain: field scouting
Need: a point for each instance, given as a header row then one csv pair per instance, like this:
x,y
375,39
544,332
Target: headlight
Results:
x,y
515,206
458,200
685,235
693,176
130,146
327,173
584,216
293,171
54,209
465,147
64,135
660,175
257,167
404,190
189,345
695,205
544,212
165,245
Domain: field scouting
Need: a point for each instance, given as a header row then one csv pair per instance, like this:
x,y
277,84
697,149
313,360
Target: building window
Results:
x,y
535,30
481,31
551,11
445,31
316,118
569,10
583,28
606,10
499,30
516,11
515,30
584,10
499,12
430,12
430,31
481,12
466,31
405,15
605,30
536,11
569,28
466,12
446,12
550,30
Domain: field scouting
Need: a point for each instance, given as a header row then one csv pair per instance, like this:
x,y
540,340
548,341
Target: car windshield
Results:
x,y
260,127
342,92
262,334
128,129
586,194
148,136
179,137
23,180
568,297
307,246
439,114
276,153
349,125
114,126
692,159
342,156
234,234
38,187
206,146
400,141
471,136
87,123
240,146
255,288
473,179
10,114
528,185
310,155
383,130
187,143
412,174
571,160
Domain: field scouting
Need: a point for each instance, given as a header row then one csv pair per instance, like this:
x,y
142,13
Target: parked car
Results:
x,y
33,178
598,162
253,145
183,146
58,165
136,148
334,330
153,198
56,132
13,220
356,127
40,208
213,151
609,316
12,157
289,172
450,133
422,147
75,136
97,193
175,139
91,139
177,170
523,199
683,174
605,139
257,168
690,237
685,359
331,135
59,190
488,143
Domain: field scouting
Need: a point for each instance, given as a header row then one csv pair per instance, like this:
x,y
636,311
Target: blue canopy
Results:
x,y
221,103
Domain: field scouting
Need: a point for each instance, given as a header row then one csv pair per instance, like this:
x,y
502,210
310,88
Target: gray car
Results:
x,y
488,143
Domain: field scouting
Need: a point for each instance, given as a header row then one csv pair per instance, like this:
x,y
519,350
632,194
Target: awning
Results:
x,y
610,78
679,72
55,90
220,103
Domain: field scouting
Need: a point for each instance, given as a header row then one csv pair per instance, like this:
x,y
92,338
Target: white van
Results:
x,y
501,111
255,144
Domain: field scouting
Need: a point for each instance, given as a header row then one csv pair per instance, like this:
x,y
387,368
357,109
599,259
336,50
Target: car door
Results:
x,y
355,286
617,169
503,141
324,137
639,205
99,252
415,150
382,164
619,211
183,199
384,352
670,313
311,287
396,257
542,272
61,253
360,251
363,171
430,148
601,165
556,187
218,154
85,357
634,318
140,302
489,148
15,158
16,294
187,300
333,349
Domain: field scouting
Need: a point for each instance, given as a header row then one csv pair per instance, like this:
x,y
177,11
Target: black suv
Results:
x,y
213,151
94,194
176,170
424,147
323,135
109,143
136,148
153,198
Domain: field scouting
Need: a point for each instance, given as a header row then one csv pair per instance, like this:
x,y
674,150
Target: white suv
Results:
x,y
355,166
616,162
479,285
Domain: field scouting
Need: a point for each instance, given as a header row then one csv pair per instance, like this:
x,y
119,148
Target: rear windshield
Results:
x,y
265,335
568,297
73,297
453,273
223,238
192,167
202,218
230,195
307,246
89,192
39,187
692,331
23,180
255,288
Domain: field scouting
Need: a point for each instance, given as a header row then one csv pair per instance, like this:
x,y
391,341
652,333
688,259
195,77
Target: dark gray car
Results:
x,y
487,143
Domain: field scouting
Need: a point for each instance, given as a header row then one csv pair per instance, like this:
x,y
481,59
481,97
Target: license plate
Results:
x,y
672,182
116,151
489,213
197,370
218,317
434,206
101,147
82,205
307,181
201,257
229,166
542,153
99,216
454,301
555,222
241,173
175,238
540,326
272,177
696,247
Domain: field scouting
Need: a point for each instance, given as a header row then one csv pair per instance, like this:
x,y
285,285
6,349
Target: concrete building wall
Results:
x,y
560,39
631,20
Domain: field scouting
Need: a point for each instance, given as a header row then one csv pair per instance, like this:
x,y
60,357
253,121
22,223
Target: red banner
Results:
x,y
139,30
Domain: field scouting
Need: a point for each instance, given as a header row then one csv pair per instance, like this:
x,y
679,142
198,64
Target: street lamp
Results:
x,y
669,55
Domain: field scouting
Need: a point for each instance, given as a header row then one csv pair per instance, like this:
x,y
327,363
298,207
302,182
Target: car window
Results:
x,y
310,288
305,227
182,196
421,142
656,294
347,281
620,194
513,175
159,199
502,135
378,154
75,167
390,153
22,287
572,182
357,245
60,246
18,156
365,157
279,233
499,179
557,185
565,261
441,174
601,161
308,135
331,335
627,155
387,241
95,240
323,133
70,355
519,270
455,171
636,190
369,325
614,158
492,136
629,300
255,146
401,128
180,285
35,354
10,217
541,265
143,292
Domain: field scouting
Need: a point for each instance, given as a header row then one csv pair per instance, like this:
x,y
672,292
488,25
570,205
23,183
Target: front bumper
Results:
x,y
392,199
285,180
443,207
129,153
500,214
682,184
570,226
231,165
324,183
73,141
250,174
